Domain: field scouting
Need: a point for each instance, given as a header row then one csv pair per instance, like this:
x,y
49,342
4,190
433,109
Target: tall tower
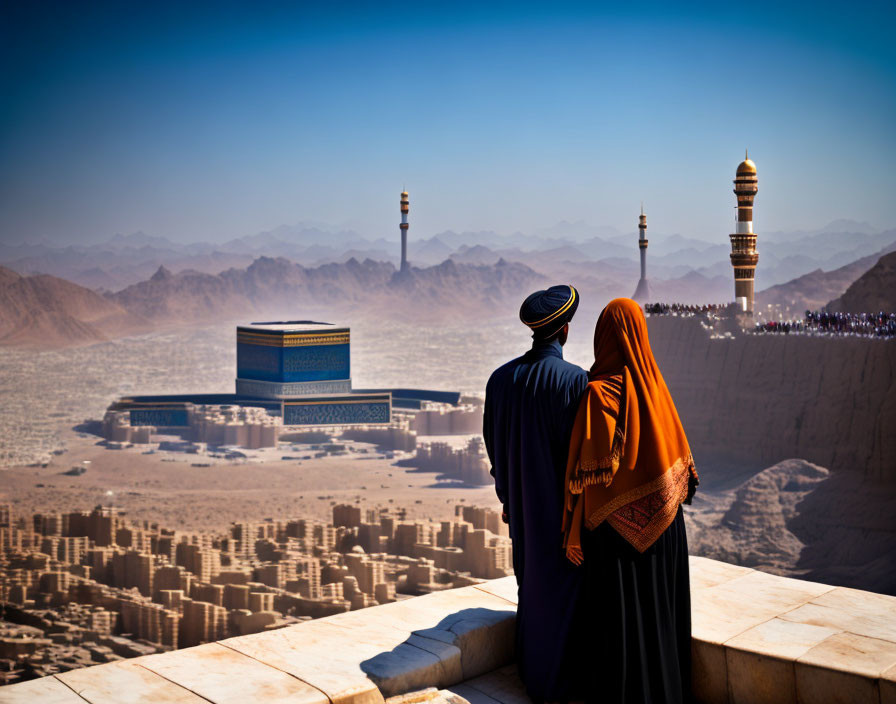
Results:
x,y
743,242
404,230
643,292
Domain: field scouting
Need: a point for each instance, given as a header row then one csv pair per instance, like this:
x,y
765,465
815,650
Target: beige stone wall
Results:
x,y
759,399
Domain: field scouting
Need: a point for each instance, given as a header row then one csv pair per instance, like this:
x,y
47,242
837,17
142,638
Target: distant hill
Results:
x,y
431,251
814,290
873,291
694,287
47,311
477,254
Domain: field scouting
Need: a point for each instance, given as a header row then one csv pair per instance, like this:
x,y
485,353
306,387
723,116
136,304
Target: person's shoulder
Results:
x,y
607,389
572,371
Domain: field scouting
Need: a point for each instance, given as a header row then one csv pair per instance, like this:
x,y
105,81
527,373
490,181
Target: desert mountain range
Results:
x,y
278,286
51,312
478,274
125,260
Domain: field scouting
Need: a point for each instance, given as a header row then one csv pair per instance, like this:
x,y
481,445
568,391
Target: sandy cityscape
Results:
x,y
83,588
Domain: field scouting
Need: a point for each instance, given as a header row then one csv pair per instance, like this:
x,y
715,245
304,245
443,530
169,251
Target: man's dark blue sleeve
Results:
x,y
488,436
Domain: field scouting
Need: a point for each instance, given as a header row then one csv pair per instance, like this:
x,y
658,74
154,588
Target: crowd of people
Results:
x,y
841,324
682,309
815,322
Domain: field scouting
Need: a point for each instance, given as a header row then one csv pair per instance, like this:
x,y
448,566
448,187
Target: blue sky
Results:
x,y
206,122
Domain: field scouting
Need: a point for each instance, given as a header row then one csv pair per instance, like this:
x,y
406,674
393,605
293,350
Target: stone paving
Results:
x,y
757,638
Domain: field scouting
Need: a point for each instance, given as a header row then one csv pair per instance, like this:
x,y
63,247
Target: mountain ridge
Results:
x,y
819,289
46,311
129,259
872,292
478,282
276,284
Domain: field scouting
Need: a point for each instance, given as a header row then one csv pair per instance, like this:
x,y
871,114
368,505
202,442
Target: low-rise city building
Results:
x,y
83,588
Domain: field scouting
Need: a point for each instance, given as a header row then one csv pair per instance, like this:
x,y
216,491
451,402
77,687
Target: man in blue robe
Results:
x,y
530,407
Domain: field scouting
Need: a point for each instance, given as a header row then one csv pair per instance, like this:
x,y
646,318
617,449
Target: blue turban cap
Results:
x,y
548,311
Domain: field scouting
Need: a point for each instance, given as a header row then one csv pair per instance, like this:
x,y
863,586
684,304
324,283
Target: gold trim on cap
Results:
x,y
556,313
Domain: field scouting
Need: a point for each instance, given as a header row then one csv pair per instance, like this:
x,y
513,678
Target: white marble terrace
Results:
x,y
757,638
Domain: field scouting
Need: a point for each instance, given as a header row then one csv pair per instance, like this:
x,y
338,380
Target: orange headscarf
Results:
x,y
629,460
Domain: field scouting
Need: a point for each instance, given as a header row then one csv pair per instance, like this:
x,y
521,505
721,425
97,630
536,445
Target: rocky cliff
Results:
x,y
749,525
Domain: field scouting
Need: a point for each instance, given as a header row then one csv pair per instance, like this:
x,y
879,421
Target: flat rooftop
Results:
x,y
292,326
757,637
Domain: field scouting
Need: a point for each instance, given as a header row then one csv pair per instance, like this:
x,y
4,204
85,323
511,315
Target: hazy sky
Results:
x,y
214,121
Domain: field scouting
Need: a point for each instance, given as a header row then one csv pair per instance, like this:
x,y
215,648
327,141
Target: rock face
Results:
x,y
763,506
799,520
749,525
46,311
752,401
873,292
847,529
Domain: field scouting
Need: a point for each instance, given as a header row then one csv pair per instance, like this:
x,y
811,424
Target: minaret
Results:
x,y
643,291
743,242
404,231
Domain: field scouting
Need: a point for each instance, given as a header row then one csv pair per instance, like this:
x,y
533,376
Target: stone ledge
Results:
x,y
757,638
762,638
